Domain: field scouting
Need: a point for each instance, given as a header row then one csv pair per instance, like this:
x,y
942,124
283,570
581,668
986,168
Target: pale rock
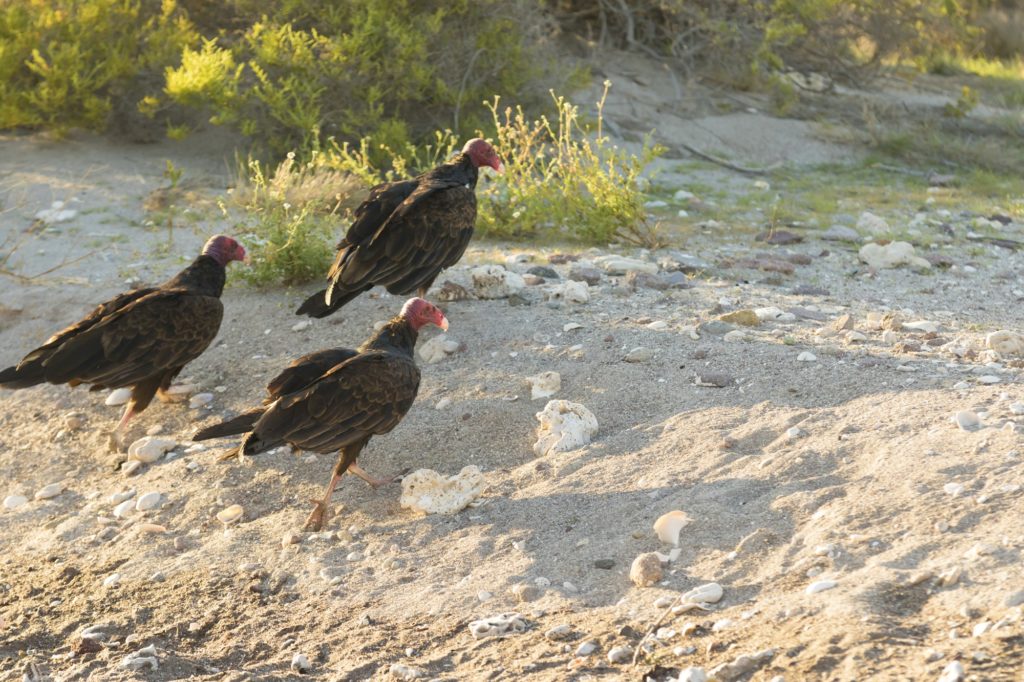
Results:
x,y
806,356
953,489
564,426
112,580
692,674
123,509
143,658
14,501
429,492
735,336
544,385
855,337
620,265
645,570
708,593
840,233
871,223
1014,599
658,325
149,501
301,664
954,672
494,281
200,400
668,526
769,313
892,255
620,654
1005,342
889,337
683,195
48,491
967,420
300,326
498,626
741,666
149,449
559,632
571,291
989,379
119,396
639,354
820,586
230,514
443,403
585,649
400,671
438,348
923,326
56,213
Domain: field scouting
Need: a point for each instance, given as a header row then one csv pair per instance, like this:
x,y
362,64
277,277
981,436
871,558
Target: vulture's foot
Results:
x,y
231,454
373,481
167,397
317,518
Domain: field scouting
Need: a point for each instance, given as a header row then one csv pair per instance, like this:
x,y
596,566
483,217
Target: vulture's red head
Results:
x,y
481,153
224,249
418,313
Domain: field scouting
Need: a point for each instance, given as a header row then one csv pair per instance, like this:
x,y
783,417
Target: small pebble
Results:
x,y
620,654
14,501
149,501
122,510
290,537
967,420
954,672
559,632
112,580
200,400
230,515
586,648
821,586
953,489
639,354
300,663
301,326
48,491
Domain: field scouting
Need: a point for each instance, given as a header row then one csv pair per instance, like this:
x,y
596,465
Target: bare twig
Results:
x,y
462,88
728,164
653,628
28,278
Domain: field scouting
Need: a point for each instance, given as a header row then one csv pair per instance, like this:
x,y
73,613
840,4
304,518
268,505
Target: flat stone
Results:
x,y
779,237
591,276
543,271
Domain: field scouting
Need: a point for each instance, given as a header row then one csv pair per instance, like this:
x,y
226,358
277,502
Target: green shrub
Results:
x,y
62,60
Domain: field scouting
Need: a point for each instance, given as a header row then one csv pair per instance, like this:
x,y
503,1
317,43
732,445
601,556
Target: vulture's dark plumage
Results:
x,y
141,338
336,400
407,232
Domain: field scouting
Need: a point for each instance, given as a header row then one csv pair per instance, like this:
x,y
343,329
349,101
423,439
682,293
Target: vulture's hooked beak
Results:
x,y
443,323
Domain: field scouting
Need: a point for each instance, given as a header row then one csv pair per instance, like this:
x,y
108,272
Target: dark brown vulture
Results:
x,y
407,232
141,338
323,406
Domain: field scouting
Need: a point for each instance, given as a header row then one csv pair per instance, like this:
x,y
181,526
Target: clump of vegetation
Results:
x,y
289,243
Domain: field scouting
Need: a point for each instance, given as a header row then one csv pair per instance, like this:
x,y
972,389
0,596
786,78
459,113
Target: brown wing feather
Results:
x,y
366,395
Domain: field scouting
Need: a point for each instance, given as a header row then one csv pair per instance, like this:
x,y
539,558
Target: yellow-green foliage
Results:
x,y
60,59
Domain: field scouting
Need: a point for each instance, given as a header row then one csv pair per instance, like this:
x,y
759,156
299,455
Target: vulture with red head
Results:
x,y
141,338
407,232
336,400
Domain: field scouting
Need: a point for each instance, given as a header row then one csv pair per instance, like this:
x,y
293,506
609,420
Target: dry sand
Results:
x,y
859,495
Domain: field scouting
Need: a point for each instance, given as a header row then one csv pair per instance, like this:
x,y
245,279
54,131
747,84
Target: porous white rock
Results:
x,y
571,291
1005,342
498,626
564,426
149,449
429,492
892,255
869,222
438,348
494,281
669,525
14,501
119,396
544,385
620,265
645,569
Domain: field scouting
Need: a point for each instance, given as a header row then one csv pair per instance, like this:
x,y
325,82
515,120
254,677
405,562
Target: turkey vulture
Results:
x,y
407,232
141,338
338,399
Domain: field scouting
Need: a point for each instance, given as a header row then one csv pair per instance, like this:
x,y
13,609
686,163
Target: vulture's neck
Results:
x,y
204,276
463,166
396,336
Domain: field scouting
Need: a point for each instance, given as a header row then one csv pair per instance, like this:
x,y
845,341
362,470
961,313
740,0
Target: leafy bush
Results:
x,y
61,61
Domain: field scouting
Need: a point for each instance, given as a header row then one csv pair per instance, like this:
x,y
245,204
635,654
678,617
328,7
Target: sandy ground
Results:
x,y
847,468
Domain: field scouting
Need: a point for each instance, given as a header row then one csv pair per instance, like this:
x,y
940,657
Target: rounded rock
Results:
x,y
151,500
645,570
14,501
620,654
48,491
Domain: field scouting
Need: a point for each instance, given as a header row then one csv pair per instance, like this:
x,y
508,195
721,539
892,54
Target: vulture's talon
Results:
x,y
317,518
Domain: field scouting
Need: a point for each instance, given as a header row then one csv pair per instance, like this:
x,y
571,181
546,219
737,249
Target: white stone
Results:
x,y
989,379
497,626
559,632
967,420
669,525
14,501
56,213
869,222
119,396
118,498
149,449
620,265
301,326
821,586
429,492
923,326
151,500
953,489
400,671
639,354
769,313
683,195
586,648
571,291
708,593
123,509
438,348
301,664
564,426
954,672
620,654
48,491
230,515
692,674
494,281
112,580
200,400
544,385
806,356
658,325
892,255
1005,342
